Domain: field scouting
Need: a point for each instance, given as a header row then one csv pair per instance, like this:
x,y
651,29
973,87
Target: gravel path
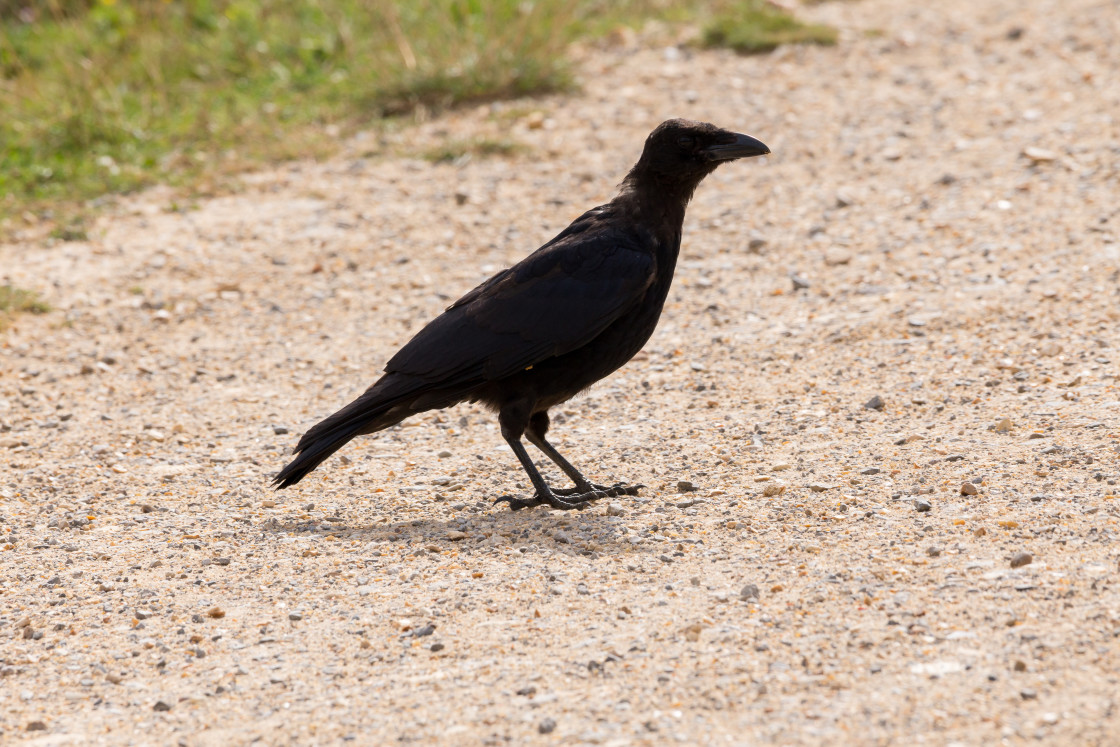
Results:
x,y
882,508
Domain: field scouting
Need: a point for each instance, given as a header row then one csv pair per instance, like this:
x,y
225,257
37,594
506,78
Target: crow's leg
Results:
x,y
584,490
513,420
538,426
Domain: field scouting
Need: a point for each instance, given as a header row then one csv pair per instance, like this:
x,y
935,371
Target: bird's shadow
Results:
x,y
577,533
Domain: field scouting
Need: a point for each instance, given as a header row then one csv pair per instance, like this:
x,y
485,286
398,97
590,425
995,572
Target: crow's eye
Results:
x,y
685,141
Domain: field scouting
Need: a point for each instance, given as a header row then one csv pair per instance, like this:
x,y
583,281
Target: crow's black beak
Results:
x,y
743,146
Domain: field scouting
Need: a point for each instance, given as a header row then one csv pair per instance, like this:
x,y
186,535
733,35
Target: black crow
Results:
x,y
540,332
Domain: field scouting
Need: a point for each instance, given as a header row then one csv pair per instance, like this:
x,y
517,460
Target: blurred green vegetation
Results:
x,y
16,300
755,26
454,150
106,96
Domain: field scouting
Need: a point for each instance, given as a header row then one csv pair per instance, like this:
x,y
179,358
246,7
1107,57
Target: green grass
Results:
x,y
454,150
755,26
107,96
131,93
16,300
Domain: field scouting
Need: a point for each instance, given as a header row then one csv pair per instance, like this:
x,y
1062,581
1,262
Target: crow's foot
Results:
x,y
598,491
547,499
569,498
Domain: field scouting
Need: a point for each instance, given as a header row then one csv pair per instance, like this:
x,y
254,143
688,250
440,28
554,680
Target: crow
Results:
x,y
538,333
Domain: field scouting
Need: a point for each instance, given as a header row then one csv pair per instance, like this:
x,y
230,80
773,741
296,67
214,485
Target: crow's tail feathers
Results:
x,y
384,404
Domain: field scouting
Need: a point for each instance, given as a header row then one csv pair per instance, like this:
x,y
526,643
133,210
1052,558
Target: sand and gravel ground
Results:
x,y
946,184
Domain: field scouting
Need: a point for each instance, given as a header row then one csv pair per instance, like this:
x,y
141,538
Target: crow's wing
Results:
x,y
587,225
553,302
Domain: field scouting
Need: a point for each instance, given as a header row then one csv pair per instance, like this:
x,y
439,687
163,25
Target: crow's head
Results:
x,y
682,151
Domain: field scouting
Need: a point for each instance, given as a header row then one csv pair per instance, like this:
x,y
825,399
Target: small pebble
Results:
x,y
750,591
37,726
546,726
295,616
921,505
1020,559
437,646
871,471
799,282
1050,349
1003,426
161,706
875,403
1040,155
685,486
969,489
1028,694
216,613
934,552
955,458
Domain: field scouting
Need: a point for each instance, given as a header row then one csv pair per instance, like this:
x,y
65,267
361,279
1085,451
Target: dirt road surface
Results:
x,y
881,509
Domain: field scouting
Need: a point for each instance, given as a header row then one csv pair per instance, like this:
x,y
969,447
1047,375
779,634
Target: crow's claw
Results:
x,y
549,499
569,498
598,491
